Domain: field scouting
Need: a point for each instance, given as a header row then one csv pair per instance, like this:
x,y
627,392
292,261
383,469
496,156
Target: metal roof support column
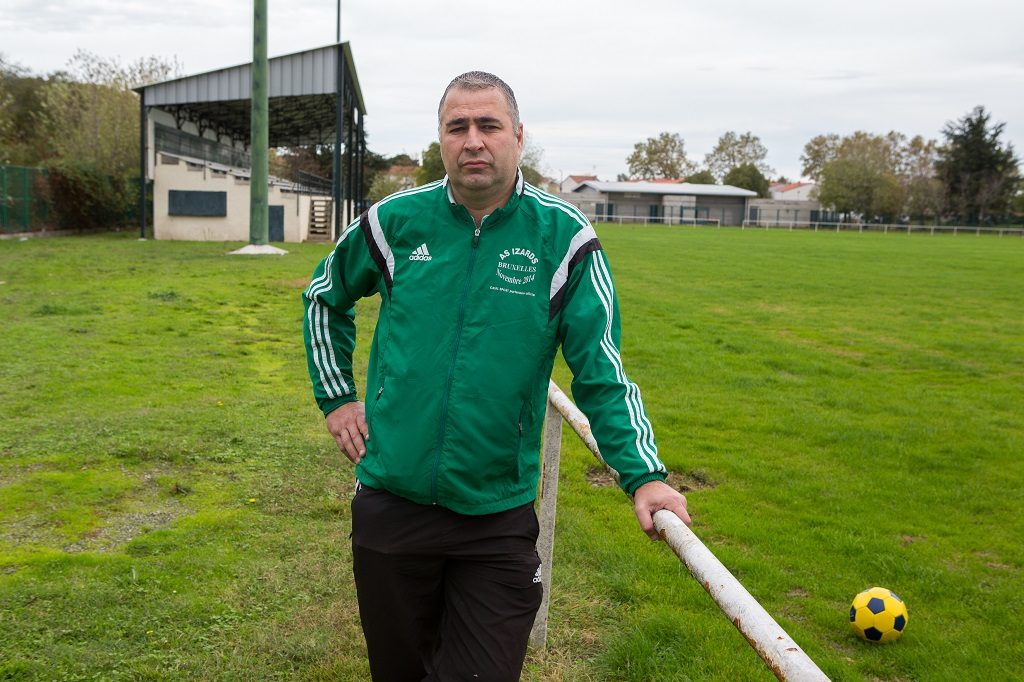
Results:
x,y
360,170
339,113
260,131
350,190
142,164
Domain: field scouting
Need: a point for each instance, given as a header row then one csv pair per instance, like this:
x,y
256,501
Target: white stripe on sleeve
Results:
x,y
644,438
561,275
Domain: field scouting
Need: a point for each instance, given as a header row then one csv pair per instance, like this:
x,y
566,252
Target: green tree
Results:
x,y
660,157
817,153
531,162
403,159
92,115
1017,202
702,177
432,166
880,175
382,186
734,150
23,140
318,160
6,119
748,176
924,195
854,186
979,172
863,175
374,165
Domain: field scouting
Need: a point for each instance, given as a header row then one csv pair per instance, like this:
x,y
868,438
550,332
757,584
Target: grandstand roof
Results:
x,y
668,188
303,89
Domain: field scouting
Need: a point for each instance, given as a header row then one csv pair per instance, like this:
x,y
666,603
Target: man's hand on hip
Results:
x,y
348,426
654,496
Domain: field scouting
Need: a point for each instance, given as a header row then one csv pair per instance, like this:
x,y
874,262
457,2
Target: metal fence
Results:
x,y
820,226
174,141
657,220
776,648
24,199
883,227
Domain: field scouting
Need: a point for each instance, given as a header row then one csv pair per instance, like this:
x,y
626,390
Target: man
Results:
x,y
481,277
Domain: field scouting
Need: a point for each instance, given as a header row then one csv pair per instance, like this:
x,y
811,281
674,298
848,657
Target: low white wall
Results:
x,y
781,210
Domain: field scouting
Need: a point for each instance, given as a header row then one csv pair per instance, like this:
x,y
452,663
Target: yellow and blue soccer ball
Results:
x,y
878,615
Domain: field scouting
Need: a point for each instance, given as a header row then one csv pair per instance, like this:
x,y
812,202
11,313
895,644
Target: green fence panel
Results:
x,y
24,199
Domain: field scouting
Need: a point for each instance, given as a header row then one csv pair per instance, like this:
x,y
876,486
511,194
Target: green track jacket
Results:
x,y
470,320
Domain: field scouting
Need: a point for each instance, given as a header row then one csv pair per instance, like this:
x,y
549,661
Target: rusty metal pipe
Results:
x,y
546,520
776,648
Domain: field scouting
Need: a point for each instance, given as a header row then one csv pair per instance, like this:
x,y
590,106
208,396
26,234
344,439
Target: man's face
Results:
x,y
479,145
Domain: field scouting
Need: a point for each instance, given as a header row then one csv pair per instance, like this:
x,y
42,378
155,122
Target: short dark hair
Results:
x,y
481,80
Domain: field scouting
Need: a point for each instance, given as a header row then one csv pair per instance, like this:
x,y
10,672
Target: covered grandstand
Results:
x,y
195,148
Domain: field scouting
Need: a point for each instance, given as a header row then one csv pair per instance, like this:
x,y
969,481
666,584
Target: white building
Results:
x,y
570,183
662,202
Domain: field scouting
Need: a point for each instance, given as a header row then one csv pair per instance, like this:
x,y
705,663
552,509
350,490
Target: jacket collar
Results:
x,y
511,205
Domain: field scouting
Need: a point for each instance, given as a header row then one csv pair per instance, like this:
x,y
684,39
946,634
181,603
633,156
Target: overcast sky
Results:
x,y
593,78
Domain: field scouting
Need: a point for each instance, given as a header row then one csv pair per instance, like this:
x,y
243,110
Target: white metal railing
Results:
x,y
776,648
816,226
647,220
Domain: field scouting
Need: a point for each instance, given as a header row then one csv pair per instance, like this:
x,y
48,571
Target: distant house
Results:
x,y
793,191
549,185
405,176
662,202
574,181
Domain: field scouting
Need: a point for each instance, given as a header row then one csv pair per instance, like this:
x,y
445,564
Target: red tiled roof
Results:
x,y
582,178
790,186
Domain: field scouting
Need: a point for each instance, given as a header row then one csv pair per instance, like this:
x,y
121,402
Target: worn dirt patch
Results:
x,y
993,561
798,592
121,529
911,539
684,482
599,477
690,481
146,508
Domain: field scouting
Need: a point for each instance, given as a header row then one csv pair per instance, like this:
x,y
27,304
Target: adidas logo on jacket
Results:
x,y
421,253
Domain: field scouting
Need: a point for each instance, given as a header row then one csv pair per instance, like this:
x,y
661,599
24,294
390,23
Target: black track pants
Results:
x,y
443,596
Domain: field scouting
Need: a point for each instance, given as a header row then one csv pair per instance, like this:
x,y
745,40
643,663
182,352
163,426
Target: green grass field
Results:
x,y
846,407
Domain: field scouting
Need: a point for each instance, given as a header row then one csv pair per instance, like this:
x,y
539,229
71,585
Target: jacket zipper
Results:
x,y
451,367
380,392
